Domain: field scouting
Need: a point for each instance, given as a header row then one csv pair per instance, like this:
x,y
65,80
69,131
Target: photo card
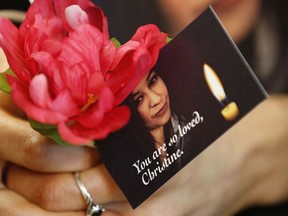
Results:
x,y
199,88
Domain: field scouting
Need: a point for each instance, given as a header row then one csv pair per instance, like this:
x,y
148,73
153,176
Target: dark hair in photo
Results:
x,y
139,133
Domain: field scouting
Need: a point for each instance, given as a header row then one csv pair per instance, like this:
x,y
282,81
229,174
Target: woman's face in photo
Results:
x,y
152,101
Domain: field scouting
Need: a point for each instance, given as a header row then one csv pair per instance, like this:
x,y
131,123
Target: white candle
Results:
x,y
230,112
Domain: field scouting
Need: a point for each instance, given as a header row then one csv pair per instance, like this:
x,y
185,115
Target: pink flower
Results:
x,y
68,72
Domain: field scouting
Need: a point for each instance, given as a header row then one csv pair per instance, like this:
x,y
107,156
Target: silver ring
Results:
x,y
92,209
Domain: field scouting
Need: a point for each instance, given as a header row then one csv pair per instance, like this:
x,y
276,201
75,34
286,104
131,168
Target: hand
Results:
x,y
22,145
245,166
14,204
59,192
264,133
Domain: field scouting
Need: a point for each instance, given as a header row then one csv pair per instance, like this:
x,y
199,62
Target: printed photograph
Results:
x,y
199,88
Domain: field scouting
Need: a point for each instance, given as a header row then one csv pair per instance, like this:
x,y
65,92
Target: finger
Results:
x,y
122,208
2,165
7,104
12,204
59,192
22,145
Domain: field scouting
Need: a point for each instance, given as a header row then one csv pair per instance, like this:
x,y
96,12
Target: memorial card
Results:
x,y
200,87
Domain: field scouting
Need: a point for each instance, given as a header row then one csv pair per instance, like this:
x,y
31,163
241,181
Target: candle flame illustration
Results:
x,y
230,110
214,83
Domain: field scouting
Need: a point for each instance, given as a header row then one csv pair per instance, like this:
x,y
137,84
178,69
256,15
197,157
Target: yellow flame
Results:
x,y
214,83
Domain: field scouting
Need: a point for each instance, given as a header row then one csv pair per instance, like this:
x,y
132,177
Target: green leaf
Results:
x,y
168,39
116,42
4,85
48,130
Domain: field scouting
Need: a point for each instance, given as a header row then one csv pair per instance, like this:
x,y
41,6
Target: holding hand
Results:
x,y
21,145
228,176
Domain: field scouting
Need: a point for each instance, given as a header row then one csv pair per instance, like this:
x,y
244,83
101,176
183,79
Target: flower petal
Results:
x,y
75,80
95,114
132,66
44,35
43,7
65,104
39,92
60,7
117,118
82,46
99,20
128,71
122,67
152,38
22,98
142,65
52,69
113,121
9,41
107,56
67,135
75,16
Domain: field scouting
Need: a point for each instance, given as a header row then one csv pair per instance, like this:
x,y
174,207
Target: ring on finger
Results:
x,y
92,209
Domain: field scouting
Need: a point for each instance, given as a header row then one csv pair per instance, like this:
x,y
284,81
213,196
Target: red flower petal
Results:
x,y
65,104
75,79
151,37
123,66
95,114
21,97
99,20
142,65
11,45
45,35
113,121
60,7
117,118
43,7
83,46
52,69
70,75
67,135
